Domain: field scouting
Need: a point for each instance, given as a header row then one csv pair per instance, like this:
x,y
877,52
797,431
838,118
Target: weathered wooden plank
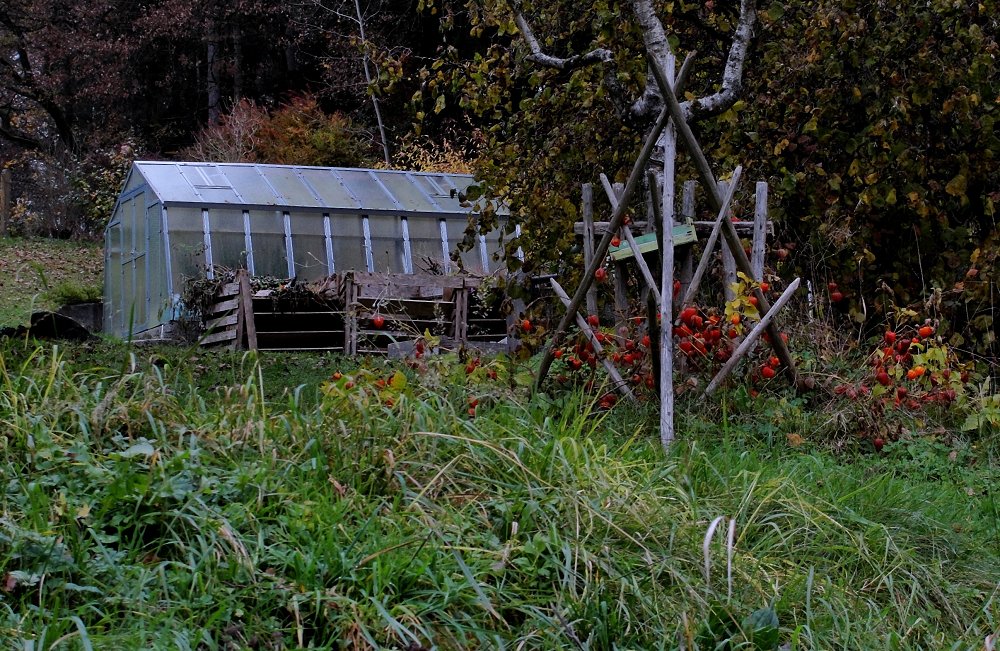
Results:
x,y
702,228
415,280
224,306
222,321
621,270
728,274
246,309
215,337
706,255
228,289
751,338
351,316
588,241
240,316
620,284
728,262
667,280
620,384
759,231
461,315
686,271
633,245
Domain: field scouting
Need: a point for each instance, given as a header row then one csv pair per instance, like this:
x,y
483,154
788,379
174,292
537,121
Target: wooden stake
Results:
x,y
350,315
687,253
709,251
5,201
246,307
588,241
461,314
667,282
715,200
620,385
728,262
764,324
657,340
627,232
759,231
616,221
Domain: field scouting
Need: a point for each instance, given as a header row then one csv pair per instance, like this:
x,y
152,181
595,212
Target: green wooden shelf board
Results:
x,y
683,234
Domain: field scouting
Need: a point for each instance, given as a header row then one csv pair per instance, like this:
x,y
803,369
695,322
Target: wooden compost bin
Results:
x,y
354,313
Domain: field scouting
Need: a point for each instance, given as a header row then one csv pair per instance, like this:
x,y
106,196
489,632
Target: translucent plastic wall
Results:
x,y
136,295
312,244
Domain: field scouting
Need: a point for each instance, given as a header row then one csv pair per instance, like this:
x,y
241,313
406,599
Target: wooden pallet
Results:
x,y
409,304
229,321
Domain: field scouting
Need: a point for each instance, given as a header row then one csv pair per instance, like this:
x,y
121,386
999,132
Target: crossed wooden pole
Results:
x,y
672,112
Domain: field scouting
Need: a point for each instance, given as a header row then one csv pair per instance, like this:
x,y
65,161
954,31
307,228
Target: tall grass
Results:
x,y
140,511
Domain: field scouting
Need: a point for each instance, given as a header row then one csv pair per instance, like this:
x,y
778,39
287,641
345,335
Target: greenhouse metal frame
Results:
x,y
179,221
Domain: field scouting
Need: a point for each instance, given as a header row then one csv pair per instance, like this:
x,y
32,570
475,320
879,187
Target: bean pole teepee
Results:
x,y
671,124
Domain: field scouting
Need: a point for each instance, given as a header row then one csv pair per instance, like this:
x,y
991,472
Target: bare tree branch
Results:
x,y
732,76
599,55
658,47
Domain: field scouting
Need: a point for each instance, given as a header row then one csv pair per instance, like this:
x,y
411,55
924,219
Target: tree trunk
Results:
x,y
237,36
5,201
213,64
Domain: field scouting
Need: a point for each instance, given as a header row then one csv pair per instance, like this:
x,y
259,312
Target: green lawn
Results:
x,y
33,271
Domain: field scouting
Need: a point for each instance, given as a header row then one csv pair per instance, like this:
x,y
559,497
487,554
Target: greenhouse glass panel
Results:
x,y
330,189
425,244
494,249
361,184
139,206
445,185
267,233
228,239
157,275
113,277
219,195
309,245
407,193
211,184
139,265
135,180
128,291
471,259
290,187
348,243
206,176
387,243
251,185
425,184
187,245
128,229
168,182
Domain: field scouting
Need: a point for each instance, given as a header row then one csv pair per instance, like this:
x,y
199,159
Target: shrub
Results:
x,y
71,292
301,133
297,133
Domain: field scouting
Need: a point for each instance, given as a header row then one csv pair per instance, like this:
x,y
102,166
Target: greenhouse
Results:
x,y
174,222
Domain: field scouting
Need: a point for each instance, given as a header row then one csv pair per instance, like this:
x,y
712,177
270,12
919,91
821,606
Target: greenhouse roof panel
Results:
x,y
330,189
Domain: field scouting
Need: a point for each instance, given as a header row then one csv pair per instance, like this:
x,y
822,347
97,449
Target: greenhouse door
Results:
x,y
134,262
